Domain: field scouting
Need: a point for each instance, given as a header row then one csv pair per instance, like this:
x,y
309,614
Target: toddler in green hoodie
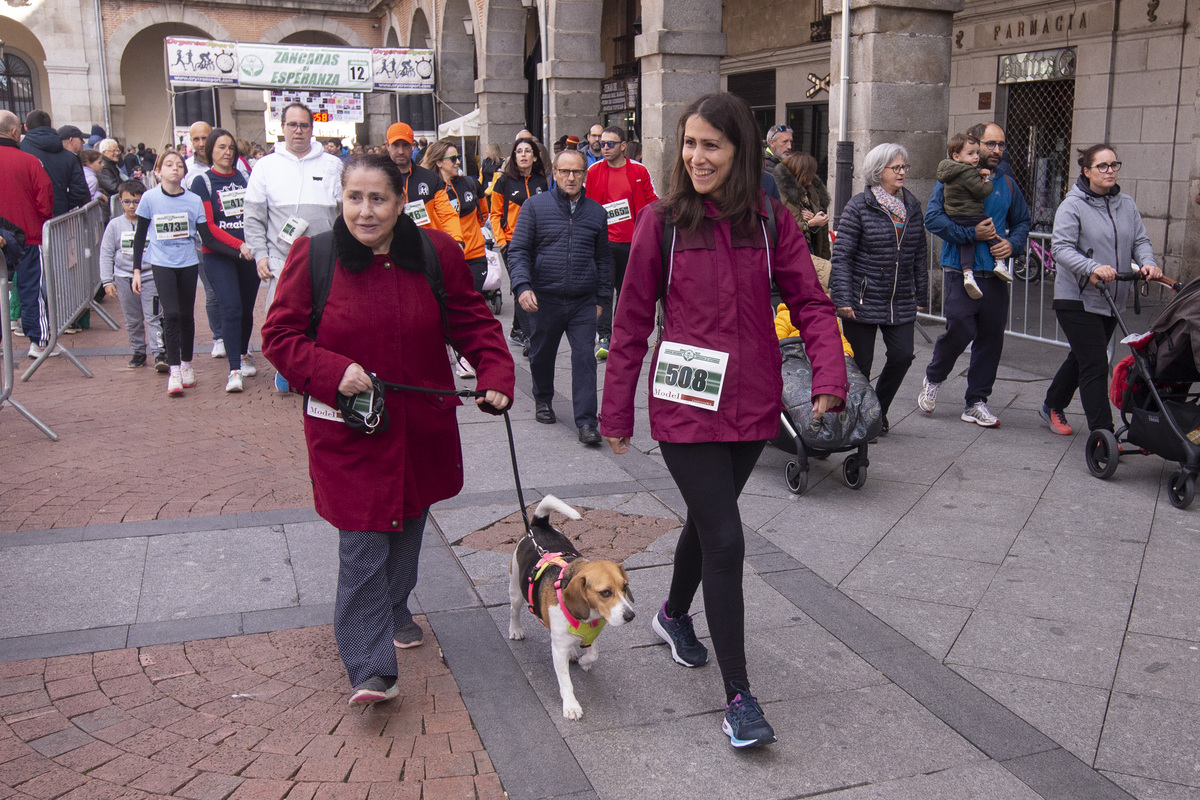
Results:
x,y
966,186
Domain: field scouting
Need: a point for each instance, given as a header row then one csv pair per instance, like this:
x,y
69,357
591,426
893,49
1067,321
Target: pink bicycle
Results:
x,y
1036,262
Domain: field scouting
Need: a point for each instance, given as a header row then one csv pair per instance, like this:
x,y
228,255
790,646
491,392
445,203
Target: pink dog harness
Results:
x,y
587,631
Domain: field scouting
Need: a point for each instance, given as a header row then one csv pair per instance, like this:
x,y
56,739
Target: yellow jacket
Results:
x,y
784,328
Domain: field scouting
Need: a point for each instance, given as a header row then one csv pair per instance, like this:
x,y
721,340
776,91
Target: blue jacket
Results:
x,y
70,187
1007,210
558,252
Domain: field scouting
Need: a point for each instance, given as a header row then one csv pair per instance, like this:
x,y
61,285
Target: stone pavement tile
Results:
x,y
1166,609
283,742
217,572
1091,516
52,783
254,789
62,742
1071,715
38,723
1057,773
209,786
969,477
831,560
1155,666
111,569
270,765
342,791
377,770
916,575
1147,789
973,527
88,757
826,742
66,687
1062,593
933,627
1136,483
1117,560
312,547
858,522
987,780
164,779
457,788
124,769
1151,738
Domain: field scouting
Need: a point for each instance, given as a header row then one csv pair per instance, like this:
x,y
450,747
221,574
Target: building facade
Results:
x,y
1057,75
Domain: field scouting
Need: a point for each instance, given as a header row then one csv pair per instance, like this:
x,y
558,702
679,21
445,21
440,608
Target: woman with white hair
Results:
x,y
879,275
110,174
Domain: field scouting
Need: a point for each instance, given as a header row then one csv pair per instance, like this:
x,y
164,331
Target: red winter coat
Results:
x,y
26,194
386,319
720,299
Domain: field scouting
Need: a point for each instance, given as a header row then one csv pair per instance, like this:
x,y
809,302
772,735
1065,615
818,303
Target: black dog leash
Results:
x,y
512,447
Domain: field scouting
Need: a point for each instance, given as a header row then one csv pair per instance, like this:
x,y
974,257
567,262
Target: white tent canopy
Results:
x,y
466,125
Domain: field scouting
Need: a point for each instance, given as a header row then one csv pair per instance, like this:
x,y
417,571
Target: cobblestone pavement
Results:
x,y
246,718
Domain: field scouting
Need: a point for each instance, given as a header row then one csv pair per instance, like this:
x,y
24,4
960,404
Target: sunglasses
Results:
x,y
605,145
455,159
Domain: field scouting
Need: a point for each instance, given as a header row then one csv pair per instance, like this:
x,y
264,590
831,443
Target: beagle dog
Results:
x,y
571,596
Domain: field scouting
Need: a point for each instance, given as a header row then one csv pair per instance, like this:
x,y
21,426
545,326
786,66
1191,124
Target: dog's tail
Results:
x,y
551,503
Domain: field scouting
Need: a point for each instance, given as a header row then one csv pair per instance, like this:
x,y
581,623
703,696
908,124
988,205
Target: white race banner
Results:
x,y
199,62
281,66
403,69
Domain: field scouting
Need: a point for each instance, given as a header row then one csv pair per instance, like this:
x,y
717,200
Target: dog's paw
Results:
x,y
586,666
516,632
572,709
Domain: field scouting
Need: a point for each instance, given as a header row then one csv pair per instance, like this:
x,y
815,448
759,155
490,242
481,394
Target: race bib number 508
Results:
x,y
689,375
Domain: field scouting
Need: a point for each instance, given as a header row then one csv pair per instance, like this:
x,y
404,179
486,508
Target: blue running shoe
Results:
x,y
744,722
281,385
679,633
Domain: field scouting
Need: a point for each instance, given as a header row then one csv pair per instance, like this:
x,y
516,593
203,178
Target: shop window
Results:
x,y
810,132
16,86
1038,117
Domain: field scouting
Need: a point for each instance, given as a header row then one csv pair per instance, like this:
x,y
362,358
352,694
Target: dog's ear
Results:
x,y
577,604
628,591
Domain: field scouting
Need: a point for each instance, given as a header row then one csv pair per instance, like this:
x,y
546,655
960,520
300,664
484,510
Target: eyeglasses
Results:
x,y
571,173
297,126
130,202
605,145
995,145
455,159
900,169
778,129
1113,167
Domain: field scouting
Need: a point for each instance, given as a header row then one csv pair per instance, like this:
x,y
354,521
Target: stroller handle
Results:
x,y
1170,283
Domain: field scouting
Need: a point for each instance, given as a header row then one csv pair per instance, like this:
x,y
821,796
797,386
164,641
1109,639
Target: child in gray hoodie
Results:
x,y
966,186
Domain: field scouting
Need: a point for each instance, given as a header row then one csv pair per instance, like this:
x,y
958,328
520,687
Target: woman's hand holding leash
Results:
x,y
497,400
620,445
355,380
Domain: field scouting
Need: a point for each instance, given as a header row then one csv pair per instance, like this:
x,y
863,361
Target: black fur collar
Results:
x,y
407,248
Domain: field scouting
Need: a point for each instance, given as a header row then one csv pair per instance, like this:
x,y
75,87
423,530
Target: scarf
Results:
x,y
891,203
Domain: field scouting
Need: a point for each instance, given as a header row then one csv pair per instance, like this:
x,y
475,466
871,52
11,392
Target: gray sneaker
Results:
x,y
927,399
979,414
410,635
374,690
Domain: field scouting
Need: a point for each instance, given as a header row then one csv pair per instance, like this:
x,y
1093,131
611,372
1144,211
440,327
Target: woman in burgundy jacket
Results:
x,y
381,317
716,382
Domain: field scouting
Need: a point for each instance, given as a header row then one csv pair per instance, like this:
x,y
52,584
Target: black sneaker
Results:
x,y
138,360
160,364
518,336
679,633
744,722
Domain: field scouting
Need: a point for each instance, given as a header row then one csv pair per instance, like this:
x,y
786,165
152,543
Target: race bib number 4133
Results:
x,y
690,375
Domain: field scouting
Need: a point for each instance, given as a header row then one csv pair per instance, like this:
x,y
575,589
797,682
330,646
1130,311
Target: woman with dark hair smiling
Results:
x,y
712,422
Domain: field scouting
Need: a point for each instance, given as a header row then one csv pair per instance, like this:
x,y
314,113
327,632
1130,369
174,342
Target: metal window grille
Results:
x,y
1039,144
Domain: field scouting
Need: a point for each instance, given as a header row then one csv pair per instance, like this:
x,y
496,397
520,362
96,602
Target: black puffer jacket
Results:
x,y
881,279
70,187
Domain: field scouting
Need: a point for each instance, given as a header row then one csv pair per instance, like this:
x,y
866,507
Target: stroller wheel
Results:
x,y
497,303
853,474
1102,453
1181,491
797,481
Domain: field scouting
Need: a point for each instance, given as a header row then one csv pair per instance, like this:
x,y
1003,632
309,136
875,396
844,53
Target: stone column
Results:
x,y
574,67
501,86
380,114
249,116
899,82
680,54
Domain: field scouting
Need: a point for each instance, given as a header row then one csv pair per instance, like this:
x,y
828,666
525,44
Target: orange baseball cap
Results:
x,y
400,131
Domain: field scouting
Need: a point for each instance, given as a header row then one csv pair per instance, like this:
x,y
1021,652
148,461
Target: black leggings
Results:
x,y
710,475
177,296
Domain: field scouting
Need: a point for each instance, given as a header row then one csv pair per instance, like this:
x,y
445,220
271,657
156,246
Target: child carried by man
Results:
x,y
966,186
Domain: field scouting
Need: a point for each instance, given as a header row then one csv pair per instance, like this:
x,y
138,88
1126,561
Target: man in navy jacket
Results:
x,y
561,269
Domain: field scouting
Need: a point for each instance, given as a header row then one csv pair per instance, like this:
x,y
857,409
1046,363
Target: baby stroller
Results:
x,y
495,270
849,430
1152,388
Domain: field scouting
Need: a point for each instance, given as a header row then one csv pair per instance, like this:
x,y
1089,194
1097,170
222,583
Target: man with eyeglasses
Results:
x,y
426,201
624,188
560,266
591,148
979,323
293,192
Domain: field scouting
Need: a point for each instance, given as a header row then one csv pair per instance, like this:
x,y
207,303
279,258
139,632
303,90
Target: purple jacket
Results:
x,y
720,299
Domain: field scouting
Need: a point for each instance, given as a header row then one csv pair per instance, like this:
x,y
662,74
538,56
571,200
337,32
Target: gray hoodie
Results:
x,y
1092,231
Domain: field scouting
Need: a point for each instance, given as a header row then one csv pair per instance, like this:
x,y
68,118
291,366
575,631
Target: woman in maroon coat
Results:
x,y
717,383
381,317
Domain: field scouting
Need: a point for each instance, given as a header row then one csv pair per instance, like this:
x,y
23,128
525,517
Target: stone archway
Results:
x,y
501,85
23,43
419,34
313,25
456,59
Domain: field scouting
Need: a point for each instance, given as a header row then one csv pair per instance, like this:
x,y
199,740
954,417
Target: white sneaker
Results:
x,y
187,375
972,288
464,369
234,384
979,414
35,351
1002,272
927,399
174,385
248,369
218,350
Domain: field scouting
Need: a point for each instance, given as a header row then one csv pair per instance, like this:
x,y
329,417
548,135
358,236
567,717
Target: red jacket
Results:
x,y
384,318
602,186
26,194
720,299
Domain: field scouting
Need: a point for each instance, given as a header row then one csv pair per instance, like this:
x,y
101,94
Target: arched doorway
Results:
x,y
418,31
22,74
313,37
16,85
148,105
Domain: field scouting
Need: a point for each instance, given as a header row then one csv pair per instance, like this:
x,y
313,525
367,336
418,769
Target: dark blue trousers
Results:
x,y
576,317
235,283
979,323
28,280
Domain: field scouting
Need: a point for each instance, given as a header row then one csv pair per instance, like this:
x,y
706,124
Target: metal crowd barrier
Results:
x,y
71,276
6,356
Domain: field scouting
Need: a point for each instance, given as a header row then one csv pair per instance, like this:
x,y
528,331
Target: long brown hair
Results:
x,y
435,153
803,166
731,116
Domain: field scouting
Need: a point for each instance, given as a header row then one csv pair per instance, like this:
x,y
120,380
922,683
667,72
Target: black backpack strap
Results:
x,y
433,274
321,260
771,229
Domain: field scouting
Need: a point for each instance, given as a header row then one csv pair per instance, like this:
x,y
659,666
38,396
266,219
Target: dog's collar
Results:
x,y
587,631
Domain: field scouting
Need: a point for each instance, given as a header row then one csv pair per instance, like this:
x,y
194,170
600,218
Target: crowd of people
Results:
x,y
374,261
